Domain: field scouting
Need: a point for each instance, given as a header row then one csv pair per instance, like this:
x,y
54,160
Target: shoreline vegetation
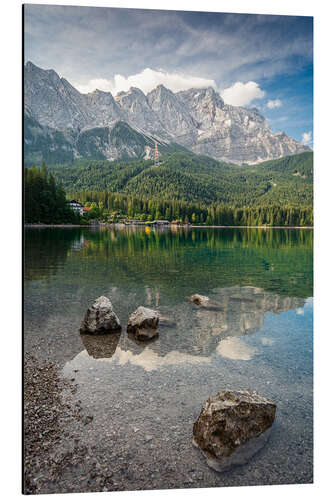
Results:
x,y
112,224
46,202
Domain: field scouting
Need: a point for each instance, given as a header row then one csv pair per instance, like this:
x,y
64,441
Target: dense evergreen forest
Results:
x,y
109,207
44,201
192,188
196,179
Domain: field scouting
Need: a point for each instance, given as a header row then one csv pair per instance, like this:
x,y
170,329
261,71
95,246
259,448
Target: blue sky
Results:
x,y
252,60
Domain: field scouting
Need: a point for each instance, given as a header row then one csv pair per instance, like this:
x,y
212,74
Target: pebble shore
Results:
x,y
51,452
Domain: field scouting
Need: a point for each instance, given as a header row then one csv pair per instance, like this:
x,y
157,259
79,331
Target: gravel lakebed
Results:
x,y
104,425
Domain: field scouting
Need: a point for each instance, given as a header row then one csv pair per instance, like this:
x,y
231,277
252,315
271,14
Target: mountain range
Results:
x,y
61,124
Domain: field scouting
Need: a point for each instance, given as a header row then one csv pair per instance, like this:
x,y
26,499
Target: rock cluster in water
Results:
x,y
232,427
100,318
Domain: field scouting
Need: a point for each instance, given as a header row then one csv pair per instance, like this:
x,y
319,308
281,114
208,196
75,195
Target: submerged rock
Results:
x,y
199,300
204,301
100,318
143,323
232,427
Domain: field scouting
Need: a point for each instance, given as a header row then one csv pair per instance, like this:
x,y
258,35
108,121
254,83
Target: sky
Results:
x,y
251,60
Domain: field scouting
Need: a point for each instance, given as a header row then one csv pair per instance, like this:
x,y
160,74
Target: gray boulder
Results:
x,y
100,318
143,323
232,427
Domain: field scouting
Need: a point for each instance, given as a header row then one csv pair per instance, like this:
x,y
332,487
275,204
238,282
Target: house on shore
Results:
x,y
76,206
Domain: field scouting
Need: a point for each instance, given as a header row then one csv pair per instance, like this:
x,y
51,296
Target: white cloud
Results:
x,y
146,80
96,83
235,348
307,138
274,104
242,94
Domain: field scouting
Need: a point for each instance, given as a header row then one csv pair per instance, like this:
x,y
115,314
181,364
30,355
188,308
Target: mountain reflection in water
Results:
x,y
196,333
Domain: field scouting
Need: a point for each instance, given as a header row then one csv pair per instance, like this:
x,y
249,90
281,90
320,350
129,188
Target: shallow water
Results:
x,y
145,397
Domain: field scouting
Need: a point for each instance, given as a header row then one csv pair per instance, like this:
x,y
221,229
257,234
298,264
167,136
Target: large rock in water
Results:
x,y
143,323
100,318
233,426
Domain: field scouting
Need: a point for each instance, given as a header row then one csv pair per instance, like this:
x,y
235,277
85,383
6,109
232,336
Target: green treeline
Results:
x,y
112,205
184,187
44,200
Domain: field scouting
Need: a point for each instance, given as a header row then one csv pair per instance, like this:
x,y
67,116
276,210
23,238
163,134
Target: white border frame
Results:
x,y
11,246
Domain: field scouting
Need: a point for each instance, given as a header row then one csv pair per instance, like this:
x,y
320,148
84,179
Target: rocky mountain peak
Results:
x,y
30,67
139,112
160,92
197,118
175,117
132,93
200,94
100,97
136,91
162,88
33,71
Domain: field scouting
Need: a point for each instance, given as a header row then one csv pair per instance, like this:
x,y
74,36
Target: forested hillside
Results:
x,y
197,179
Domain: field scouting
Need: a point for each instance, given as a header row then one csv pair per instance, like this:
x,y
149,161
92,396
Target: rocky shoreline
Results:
x,y
76,451
54,459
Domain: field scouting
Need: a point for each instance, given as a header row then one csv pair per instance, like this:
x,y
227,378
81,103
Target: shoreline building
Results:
x,y
76,206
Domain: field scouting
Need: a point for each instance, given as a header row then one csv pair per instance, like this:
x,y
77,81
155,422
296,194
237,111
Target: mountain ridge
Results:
x,y
197,119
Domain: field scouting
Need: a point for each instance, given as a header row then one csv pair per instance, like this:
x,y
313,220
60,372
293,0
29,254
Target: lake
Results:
x,y
144,398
